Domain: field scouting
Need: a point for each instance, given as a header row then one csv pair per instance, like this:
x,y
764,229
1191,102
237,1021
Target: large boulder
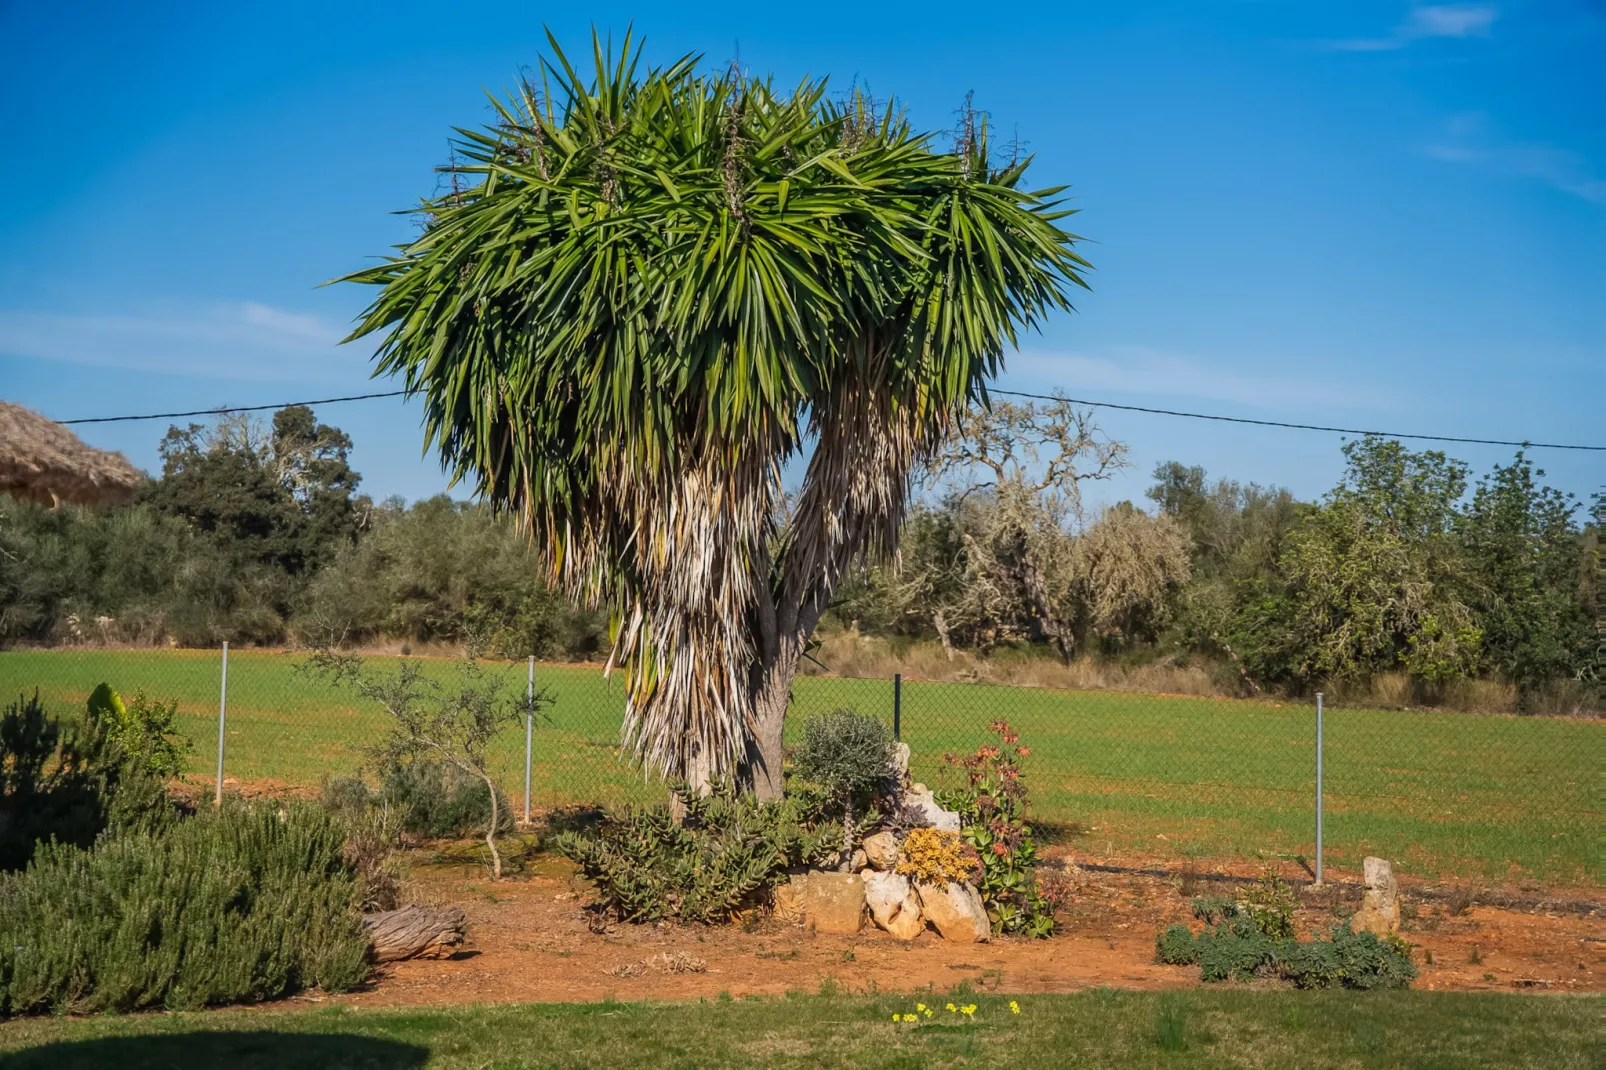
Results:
x,y
893,904
829,902
920,807
955,910
1380,909
881,851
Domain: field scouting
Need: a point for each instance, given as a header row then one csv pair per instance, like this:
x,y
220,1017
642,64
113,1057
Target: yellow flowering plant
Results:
x,y
936,857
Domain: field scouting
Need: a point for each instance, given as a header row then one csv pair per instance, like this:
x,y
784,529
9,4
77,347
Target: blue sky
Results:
x,y
1366,214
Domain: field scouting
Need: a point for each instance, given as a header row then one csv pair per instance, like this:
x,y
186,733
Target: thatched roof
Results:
x,y
42,461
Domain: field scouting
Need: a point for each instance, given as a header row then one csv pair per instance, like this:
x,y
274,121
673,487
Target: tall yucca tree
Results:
x,y
647,290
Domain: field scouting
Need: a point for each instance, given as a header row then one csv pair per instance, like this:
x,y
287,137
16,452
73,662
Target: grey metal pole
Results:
x,y
897,706
222,719
529,733
1318,789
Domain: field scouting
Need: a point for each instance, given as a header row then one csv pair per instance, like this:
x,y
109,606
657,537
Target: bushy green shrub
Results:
x,y
1234,950
1176,947
726,852
849,755
1348,960
68,783
1271,904
245,904
437,800
145,729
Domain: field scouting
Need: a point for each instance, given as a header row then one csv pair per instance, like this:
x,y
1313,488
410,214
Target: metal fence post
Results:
x,y
222,718
897,706
529,733
1318,789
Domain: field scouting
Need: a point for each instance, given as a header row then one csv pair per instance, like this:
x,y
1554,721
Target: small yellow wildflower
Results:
x,y
894,1017
1014,1008
952,1009
928,1014
969,1010
908,1017
920,1006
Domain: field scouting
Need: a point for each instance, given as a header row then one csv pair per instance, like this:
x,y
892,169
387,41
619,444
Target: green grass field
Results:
x,y
1102,1028
1445,795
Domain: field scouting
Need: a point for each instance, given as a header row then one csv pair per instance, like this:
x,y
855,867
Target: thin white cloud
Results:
x,y
1428,21
249,341
1139,370
1469,139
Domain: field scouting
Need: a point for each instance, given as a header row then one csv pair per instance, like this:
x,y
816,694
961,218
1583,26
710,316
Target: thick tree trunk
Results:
x,y
772,691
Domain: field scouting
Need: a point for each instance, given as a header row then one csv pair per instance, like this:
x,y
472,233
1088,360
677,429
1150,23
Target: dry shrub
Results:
x,y
850,654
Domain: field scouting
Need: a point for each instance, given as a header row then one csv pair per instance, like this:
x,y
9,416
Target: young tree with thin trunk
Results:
x,y
644,292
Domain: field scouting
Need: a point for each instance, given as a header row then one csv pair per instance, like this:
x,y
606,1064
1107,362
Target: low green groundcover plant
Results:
x,y
246,904
1241,942
726,852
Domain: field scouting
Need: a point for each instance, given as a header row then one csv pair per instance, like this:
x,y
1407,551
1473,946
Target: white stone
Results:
x,y
900,763
1380,910
920,804
893,904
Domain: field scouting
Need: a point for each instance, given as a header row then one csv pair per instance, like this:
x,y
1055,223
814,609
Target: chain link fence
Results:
x,y
1123,776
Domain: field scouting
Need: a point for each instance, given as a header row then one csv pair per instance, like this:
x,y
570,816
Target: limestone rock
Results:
x,y
881,850
900,763
832,902
893,904
956,911
787,899
920,804
1380,910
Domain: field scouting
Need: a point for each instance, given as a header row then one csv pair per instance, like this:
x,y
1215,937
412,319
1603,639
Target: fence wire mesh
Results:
x,y
1127,776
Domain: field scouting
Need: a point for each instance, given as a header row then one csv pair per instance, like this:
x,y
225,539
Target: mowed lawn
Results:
x,y
1102,1028
1445,795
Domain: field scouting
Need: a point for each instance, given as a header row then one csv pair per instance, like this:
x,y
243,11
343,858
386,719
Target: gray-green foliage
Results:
x,y
1241,942
849,755
248,904
725,852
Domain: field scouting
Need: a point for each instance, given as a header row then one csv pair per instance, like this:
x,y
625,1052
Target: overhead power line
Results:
x,y
1007,393
1301,427
229,408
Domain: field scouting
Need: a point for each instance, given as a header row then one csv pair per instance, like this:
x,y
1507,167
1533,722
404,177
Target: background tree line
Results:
x,y
257,533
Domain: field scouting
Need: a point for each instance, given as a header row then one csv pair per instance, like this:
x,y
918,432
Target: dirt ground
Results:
x,y
529,940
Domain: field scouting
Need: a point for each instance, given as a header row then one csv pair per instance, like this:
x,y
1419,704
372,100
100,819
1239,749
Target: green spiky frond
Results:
x,y
646,289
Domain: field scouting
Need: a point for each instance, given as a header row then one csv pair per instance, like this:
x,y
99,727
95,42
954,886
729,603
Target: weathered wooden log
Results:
x,y
415,932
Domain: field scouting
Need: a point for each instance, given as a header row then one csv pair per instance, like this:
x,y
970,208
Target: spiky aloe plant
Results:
x,y
648,289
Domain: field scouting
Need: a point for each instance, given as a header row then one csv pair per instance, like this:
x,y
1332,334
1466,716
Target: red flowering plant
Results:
x,y
992,811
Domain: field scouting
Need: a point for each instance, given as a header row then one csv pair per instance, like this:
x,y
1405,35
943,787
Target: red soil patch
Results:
x,y
529,941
